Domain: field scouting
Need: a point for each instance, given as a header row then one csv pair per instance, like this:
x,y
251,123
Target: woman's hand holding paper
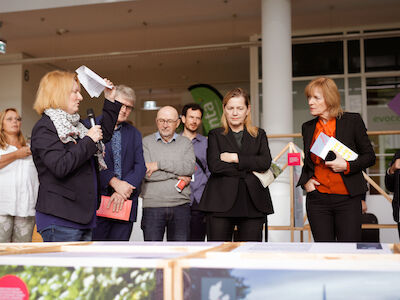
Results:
x,y
337,165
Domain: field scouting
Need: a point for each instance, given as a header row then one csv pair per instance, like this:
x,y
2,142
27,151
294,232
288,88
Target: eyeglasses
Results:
x,y
127,107
169,122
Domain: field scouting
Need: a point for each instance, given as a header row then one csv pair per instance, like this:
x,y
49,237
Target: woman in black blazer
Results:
x,y
392,183
233,194
68,158
334,188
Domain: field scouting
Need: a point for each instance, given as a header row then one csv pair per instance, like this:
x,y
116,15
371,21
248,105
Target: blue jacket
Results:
x,y
132,164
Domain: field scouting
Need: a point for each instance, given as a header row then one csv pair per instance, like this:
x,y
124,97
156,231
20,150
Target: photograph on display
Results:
x,y
48,282
252,284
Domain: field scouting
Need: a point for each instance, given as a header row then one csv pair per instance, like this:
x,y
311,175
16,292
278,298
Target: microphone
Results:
x,y
92,120
91,117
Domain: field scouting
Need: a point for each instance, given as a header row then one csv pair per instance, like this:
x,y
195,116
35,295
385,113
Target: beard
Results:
x,y
188,128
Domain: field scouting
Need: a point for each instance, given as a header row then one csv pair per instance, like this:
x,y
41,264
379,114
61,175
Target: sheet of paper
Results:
x,y
319,146
92,82
323,144
342,149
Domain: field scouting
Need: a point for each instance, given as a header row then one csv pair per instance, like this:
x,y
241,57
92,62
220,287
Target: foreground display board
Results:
x,y
291,271
90,270
198,271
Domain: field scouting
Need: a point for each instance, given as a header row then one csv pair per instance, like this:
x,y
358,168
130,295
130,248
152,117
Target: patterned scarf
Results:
x,y
69,129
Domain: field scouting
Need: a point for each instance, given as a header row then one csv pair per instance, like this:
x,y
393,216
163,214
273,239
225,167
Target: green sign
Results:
x,y
211,101
2,47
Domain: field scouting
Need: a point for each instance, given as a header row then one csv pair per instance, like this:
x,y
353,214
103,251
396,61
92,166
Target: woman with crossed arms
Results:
x,y
234,196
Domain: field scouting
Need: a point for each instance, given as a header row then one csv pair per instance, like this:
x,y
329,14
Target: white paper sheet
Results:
x,y
92,82
323,144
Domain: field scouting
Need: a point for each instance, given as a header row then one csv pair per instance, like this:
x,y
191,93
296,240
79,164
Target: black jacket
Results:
x,y
66,174
222,186
392,182
351,131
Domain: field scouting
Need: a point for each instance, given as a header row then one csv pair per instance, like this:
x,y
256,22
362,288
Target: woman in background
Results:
x,y
334,188
68,158
234,196
18,181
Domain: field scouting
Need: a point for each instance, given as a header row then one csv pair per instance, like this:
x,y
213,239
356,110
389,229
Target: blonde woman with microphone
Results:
x,y
68,158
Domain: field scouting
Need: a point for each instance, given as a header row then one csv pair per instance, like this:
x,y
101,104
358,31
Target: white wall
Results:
x,y
31,75
10,84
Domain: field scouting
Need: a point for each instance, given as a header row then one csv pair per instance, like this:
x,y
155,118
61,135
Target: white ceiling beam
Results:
x,y
7,6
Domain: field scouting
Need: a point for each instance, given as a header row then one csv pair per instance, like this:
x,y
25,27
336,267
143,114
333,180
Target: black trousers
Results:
x,y
197,225
334,217
221,229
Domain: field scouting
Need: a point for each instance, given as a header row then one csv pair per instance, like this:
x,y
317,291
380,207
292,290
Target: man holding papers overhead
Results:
x,y
334,186
123,177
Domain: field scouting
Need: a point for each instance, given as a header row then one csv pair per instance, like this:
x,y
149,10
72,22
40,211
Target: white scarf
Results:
x,y
69,129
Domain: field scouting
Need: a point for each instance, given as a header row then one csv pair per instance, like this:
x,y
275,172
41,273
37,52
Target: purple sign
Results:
x,y
394,104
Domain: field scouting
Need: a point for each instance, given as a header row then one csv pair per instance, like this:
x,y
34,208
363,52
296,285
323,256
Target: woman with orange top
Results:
x,y
334,188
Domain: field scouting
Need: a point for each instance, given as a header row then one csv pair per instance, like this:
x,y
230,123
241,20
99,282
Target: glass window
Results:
x,y
354,100
353,53
380,91
317,59
382,54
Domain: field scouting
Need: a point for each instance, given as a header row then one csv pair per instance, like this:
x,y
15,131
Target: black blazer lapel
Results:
x,y
340,128
310,132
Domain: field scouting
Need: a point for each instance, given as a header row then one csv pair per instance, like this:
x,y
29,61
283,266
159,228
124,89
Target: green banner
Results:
x,y
211,101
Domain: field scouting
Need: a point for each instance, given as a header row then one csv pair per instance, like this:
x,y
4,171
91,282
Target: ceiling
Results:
x,y
158,24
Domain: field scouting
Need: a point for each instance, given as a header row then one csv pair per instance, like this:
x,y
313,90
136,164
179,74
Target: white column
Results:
x,y
277,112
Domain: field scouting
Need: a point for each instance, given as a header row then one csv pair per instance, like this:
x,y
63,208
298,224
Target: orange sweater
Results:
x,y
330,182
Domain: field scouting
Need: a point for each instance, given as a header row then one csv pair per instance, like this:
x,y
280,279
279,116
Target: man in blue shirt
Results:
x,y
191,119
126,169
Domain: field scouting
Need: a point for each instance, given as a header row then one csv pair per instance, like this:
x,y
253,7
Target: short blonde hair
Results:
x,y
239,92
54,90
329,91
126,92
3,136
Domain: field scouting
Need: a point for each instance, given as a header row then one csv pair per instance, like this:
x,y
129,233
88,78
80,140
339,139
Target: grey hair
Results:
x,y
126,91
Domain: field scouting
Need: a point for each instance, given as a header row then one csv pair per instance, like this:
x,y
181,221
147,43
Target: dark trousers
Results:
x,y
175,219
334,217
221,229
197,223
112,230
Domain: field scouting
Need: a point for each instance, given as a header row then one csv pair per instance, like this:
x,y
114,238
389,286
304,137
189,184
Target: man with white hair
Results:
x,y
170,163
126,169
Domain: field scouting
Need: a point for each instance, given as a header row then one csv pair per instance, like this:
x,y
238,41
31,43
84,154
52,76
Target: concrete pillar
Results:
x,y
277,112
